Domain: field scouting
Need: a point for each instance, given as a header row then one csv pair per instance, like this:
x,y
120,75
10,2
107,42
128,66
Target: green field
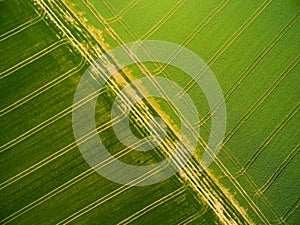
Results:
x,y
253,50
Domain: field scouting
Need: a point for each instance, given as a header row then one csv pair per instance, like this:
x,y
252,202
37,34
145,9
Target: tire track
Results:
x,y
32,58
21,27
257,60
107,197
73,181
229,42
194,33
152,206
250,199
42,89
126,9
269,91
20,102
47,122
259,11
55,155
164,19
279,170
290,212
267,141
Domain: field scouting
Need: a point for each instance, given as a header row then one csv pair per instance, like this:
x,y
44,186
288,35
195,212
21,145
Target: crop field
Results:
x,y
251,46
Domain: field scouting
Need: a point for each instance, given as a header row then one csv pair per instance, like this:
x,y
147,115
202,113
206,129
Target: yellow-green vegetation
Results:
x,y
251,46
44,178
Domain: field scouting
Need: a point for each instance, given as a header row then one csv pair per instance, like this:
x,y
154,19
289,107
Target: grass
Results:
x,y
248,52
267,33
37,191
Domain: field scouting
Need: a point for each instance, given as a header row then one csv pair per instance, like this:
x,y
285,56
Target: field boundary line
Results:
x,y
4,114
188,173
62,25
43,88
152,206
248,70
195,33
250,199
72,42
193,179
32,58
109,29
242,121
123,11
